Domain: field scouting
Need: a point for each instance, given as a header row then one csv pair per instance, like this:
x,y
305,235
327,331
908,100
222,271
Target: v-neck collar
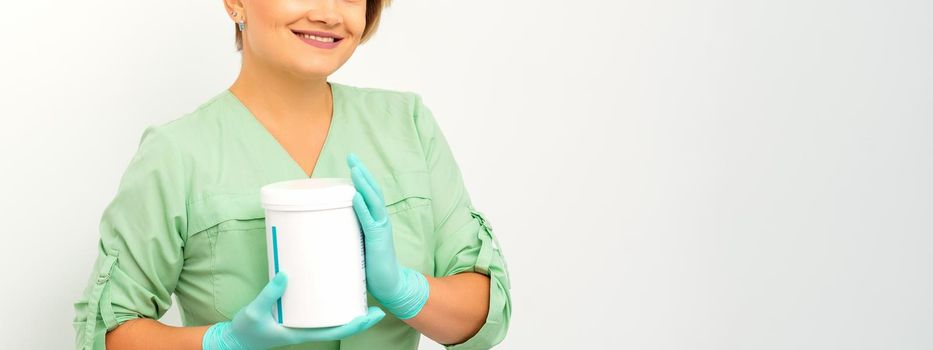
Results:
x,y
253,123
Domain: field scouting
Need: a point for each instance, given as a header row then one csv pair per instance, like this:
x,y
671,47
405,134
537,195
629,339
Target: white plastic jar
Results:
x,y
313,235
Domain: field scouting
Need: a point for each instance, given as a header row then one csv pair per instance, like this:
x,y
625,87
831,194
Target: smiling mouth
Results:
x,y
323,39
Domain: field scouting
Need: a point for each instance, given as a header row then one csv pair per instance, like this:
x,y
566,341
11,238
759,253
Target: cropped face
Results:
x,y
307,38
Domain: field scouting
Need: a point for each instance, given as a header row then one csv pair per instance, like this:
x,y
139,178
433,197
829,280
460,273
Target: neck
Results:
x,y
281,99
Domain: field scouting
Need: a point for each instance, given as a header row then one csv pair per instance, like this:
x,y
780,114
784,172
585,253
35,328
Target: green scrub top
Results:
x,y
187,220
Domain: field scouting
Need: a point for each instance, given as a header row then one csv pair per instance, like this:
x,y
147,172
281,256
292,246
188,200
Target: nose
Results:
x,y
324,11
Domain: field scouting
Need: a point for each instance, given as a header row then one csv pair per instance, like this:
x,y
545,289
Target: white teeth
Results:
x,y
317,38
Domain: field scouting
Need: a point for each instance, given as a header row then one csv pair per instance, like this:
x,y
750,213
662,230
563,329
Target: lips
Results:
x,y
320,40
317,35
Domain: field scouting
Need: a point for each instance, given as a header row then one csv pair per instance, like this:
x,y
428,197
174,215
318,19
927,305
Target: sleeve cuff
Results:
x,y
490,262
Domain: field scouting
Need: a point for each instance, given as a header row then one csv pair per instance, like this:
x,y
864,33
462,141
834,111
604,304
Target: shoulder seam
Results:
x,y
177,156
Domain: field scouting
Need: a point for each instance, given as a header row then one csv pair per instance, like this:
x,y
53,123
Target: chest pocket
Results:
x,y
236,229
234,226
408,203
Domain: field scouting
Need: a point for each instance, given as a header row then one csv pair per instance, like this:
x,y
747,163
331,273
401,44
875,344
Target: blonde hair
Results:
x,y
373,13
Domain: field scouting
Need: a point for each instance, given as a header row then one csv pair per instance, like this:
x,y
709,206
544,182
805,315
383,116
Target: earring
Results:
x,y
241,23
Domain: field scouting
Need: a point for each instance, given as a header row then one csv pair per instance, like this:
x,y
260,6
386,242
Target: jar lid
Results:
x,y
308,194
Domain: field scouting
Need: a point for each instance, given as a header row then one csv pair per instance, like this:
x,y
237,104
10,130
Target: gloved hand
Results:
x,y
254,327
401,290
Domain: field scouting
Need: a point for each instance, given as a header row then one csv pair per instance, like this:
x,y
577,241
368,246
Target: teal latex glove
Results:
x,y
399,289
254,327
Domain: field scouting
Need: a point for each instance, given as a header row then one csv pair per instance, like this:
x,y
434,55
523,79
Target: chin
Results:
x,y
314,70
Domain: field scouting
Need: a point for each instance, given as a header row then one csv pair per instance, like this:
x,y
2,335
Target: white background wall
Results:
x,y
662,174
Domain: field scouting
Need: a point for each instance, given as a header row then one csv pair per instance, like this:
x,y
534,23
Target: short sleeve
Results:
x,y
142,234
465,239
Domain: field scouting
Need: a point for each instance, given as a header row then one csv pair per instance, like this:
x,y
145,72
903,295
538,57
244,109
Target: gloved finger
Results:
x,y
373,315
270,294
355,161
373,201
362,212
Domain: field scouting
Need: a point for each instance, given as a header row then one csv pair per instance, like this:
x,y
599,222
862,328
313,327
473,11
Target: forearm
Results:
x,y
144,333
456,309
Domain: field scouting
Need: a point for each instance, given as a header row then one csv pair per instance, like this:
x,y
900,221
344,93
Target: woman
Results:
x,y
186,219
